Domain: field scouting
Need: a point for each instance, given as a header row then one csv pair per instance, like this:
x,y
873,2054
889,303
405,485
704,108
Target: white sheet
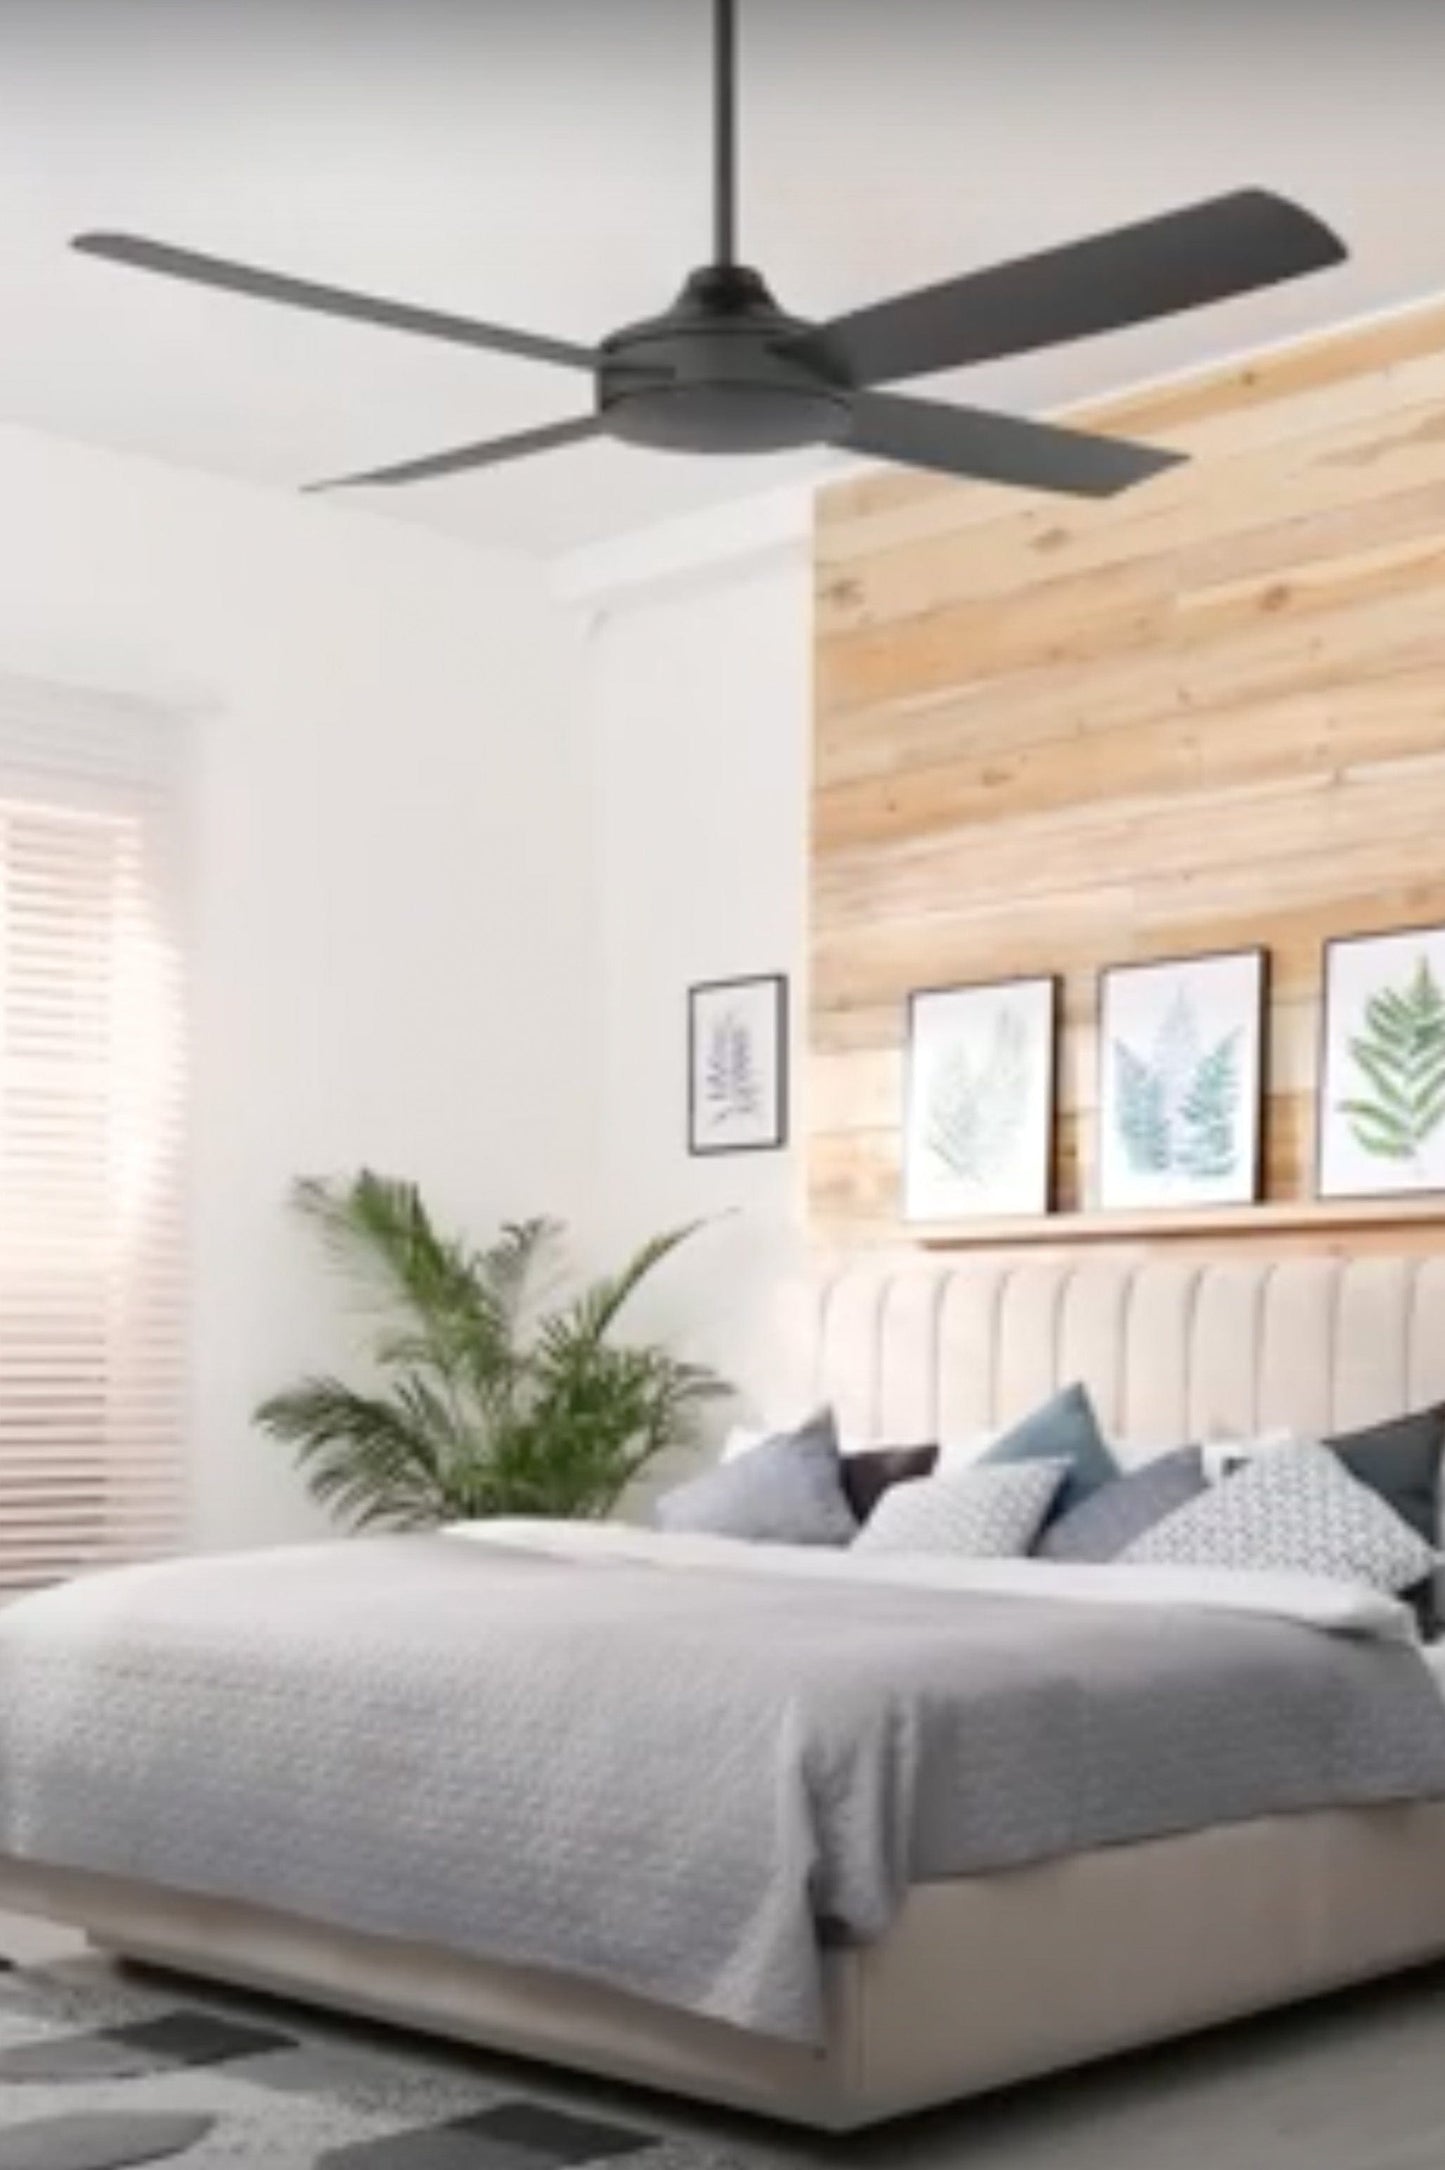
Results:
x,y
1340,1608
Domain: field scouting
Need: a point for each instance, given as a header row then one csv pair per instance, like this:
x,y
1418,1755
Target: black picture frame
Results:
x,y
1108,974
774,1137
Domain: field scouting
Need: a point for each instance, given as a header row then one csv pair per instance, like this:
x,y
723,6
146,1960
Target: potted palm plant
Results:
x,y
495,1393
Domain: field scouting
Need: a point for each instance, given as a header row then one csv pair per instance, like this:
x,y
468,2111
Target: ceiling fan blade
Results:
x,y
1230,245
139,254
984,447
493,453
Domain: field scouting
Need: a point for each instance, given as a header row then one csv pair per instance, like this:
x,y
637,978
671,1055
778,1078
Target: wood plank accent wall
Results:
x,y
1053,736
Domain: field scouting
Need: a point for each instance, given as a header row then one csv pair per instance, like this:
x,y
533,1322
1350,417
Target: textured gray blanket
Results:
x,y
677,1782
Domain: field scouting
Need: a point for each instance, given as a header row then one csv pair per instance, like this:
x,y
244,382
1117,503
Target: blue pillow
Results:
x,y
1064,1430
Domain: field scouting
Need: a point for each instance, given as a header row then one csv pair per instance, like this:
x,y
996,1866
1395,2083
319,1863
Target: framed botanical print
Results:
x,y
1382,1089
1181,1082
978,1134
737,1040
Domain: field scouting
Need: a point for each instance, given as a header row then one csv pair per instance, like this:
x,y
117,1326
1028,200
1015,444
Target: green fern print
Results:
x,y
1176,1110
1207,1148
1400,1055
1141,1116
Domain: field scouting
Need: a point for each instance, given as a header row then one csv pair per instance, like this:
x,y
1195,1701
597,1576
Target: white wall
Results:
x,y
459,847
390,848
697,695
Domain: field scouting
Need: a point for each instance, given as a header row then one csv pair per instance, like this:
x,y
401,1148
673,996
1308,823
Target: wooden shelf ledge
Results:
x,y
1317,1217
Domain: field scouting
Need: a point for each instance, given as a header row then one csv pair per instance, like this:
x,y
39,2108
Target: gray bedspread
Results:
x,y
679,1783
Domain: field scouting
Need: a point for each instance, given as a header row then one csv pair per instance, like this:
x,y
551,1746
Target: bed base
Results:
x,y
982,1981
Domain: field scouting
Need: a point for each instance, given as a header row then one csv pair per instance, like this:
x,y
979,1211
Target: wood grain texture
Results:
x,y
1205,716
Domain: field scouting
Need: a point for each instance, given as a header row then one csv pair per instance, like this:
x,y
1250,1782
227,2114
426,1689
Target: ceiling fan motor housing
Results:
x,y
714,375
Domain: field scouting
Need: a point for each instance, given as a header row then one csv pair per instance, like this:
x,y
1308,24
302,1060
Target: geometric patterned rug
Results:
x,y
100,2069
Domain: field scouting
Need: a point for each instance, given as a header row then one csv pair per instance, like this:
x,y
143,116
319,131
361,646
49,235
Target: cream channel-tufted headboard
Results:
x,y
907,1350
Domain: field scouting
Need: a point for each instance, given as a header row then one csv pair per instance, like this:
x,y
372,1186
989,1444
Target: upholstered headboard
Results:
x,y
907,1350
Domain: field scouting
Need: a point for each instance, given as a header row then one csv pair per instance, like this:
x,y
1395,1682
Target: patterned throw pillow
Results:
x,y
1295,1507
1400,1459
1105,1524
788,1491
974,1514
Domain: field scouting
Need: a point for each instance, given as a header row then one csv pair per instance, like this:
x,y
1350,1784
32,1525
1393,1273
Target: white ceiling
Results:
x,y
545,162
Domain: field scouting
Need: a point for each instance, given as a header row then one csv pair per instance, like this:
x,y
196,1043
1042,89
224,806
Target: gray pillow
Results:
x,y
1064,1430
787,1491
1109,1520
1400,1460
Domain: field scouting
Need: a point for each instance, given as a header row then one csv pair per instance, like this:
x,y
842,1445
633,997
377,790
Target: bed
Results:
x,y
975,1979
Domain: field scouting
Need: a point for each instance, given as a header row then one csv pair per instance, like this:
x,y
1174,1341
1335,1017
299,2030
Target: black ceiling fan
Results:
x,y
725,370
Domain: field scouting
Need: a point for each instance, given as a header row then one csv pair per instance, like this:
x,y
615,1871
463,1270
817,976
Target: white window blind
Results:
x,y
92,1093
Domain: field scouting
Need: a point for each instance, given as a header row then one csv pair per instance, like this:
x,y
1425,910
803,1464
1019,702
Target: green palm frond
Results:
x,y
484,1408
458,1307
378,1229
510,1265
365,1455
596,1310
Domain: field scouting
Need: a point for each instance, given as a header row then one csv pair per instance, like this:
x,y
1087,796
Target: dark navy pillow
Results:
x,y
872,1471
1064,1430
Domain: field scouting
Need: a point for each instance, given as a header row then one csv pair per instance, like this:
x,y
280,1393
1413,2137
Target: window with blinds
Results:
x,y
91,1135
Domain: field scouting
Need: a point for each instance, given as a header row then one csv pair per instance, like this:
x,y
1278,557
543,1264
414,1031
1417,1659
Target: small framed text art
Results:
x,y
737,1063
1382,1094
978,1133
1181,1082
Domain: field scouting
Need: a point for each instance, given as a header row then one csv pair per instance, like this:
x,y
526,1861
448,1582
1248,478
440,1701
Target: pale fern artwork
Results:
x,y
732,1087
978,1102
1396,1106
978,1140
1180,1082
